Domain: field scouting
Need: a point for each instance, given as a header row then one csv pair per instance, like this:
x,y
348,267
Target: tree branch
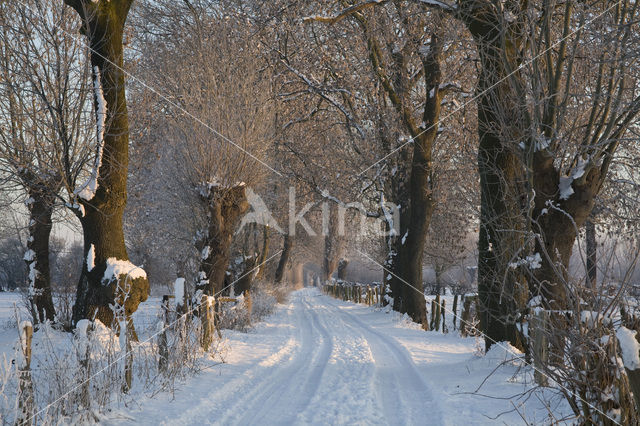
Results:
x,y
435,4
345,12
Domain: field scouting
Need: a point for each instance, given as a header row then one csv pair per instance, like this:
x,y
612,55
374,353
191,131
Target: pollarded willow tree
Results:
x,y
210,105
108,278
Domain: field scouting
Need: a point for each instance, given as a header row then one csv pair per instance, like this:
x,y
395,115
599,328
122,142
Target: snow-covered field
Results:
x,y
319,360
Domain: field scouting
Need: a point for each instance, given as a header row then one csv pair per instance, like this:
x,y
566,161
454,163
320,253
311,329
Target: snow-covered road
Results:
x,y
323,361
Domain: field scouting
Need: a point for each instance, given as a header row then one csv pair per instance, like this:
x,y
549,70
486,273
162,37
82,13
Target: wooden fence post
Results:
x,y
26,404
84,356
443,311
128,358
455,310
437,313
248,304
540,348
433,312
163,349
206,319
466,316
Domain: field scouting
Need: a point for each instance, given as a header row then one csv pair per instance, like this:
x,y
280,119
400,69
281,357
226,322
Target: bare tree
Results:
x,y
210,104
108,278
44,107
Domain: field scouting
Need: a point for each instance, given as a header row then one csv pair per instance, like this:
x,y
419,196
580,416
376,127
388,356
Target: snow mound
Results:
x,y
630,347
502,351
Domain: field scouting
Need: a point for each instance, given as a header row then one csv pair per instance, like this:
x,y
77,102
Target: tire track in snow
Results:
x,y
346,394
400,388
291,389
326,365
207,408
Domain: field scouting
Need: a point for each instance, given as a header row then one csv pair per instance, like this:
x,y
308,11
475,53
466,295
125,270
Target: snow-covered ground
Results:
x,y
318,360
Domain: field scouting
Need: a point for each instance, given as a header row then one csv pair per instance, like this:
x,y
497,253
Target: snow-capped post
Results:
x,y
103,197
26,404
207,320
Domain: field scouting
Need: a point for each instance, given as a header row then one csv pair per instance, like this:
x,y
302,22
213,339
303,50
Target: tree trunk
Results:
x,y
225,209
264,253
501,116
406,280
37,256
297,276
342,269
284,258
103,25
243,283
559,218
333,244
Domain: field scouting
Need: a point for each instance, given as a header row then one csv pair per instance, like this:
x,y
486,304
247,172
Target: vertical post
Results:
x,y
84,355
163,350
443,311
205,321
26,408
248,304
466,316
540,346
433,313
455,310
128,359
437,313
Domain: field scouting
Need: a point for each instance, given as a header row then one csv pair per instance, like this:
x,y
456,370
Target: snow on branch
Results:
x,y
208,188
91,258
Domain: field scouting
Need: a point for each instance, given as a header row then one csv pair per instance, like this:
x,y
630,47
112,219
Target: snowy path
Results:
x,y
323,361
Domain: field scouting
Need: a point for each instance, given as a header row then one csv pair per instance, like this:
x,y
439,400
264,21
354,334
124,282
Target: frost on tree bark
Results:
x,y
40,204
225,207
104,199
